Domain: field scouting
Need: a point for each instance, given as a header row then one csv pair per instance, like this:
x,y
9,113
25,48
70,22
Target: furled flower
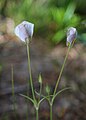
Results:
x,y
71,35
24,30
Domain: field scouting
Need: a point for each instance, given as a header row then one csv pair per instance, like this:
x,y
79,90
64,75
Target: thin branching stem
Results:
x,y
13,91
40,91
29,67
51,111
37,116
57,83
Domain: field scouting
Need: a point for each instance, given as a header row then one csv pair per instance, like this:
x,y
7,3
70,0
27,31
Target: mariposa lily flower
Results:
x,y
24,30
71,35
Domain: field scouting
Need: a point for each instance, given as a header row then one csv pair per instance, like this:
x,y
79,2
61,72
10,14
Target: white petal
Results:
x,y
24,30
71,35
16,31
23,33
29,27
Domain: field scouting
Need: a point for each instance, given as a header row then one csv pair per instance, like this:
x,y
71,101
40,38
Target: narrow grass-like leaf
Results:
x,y
39,94
13,92
60,91
41,100
27,98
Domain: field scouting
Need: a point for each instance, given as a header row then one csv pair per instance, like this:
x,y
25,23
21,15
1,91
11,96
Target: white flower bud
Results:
x,y
40,79
47,89
71,35
24,30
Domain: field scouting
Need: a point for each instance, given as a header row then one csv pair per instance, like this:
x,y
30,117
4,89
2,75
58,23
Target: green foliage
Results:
x,y
34,11
83,38
51,17
63,19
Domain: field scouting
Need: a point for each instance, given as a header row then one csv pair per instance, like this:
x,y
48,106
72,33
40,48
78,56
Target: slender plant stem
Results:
x,y
27,117
40,90
13,92
51,111
29,67
57,83
37,116
27,113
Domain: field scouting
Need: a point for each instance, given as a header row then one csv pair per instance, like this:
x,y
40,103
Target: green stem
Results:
x,y
40,91
29,68
50,111
37,116
27,116
13,92
57,83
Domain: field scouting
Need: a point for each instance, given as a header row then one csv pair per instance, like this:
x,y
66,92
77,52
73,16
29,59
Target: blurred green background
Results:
x,y
51,17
